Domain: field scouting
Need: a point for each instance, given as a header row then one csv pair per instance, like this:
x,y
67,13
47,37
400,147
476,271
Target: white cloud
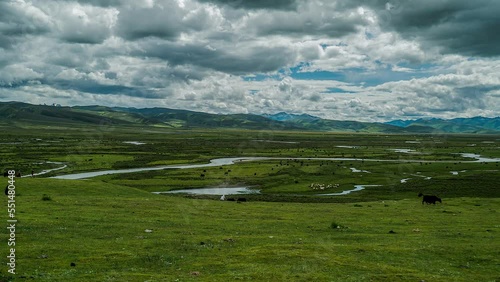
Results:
x,y
17,74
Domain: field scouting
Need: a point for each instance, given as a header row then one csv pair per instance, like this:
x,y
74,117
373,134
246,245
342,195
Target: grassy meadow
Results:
x,y
112,228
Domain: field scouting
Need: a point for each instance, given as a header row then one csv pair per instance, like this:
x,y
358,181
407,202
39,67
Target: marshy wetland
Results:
x,y
301,226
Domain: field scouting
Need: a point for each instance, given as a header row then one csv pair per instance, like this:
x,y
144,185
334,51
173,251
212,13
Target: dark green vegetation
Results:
x,y
111,228
22,114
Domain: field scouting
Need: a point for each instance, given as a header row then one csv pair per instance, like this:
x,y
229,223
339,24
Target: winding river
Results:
x,y
231,161
63,166
246,190
214,162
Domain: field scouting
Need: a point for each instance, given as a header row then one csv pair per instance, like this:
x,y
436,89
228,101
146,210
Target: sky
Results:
x,y
372,60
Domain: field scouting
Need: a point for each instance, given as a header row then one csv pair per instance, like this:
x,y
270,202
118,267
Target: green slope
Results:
x,y
15,112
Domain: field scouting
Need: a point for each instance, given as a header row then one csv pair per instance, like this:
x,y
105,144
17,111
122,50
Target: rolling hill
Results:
x,y
16,112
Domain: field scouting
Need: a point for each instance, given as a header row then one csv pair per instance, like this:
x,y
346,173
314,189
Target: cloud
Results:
x,y
84,24
18,74
446,95
257,4
312,19
457,27
238,60
19,19
132,23
102,3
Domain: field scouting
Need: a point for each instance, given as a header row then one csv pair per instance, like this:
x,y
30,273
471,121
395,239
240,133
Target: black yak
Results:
x,y
429,199
242,200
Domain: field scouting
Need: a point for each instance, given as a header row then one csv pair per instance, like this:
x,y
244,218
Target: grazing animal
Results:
x,y
429,199
230,199
5,174
7,190
242,199
223,198
18,174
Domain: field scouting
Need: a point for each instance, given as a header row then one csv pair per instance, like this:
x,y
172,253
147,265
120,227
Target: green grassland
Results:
x,y
113,229
101,228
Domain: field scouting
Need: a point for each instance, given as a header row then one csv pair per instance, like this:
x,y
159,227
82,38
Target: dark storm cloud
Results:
x,y
457,26
85,25
464,27
100,3
81,57
257,4
237,61
20,20
166,76
94,87
137,22
89,37
477,93
292,23
6,42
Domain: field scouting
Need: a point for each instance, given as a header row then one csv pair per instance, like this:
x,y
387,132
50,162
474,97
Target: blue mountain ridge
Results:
x,y
452,125
283,116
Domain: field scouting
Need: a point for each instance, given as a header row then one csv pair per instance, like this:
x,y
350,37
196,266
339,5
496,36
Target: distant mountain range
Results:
x,y
474,124
282,116
16,113
457,125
